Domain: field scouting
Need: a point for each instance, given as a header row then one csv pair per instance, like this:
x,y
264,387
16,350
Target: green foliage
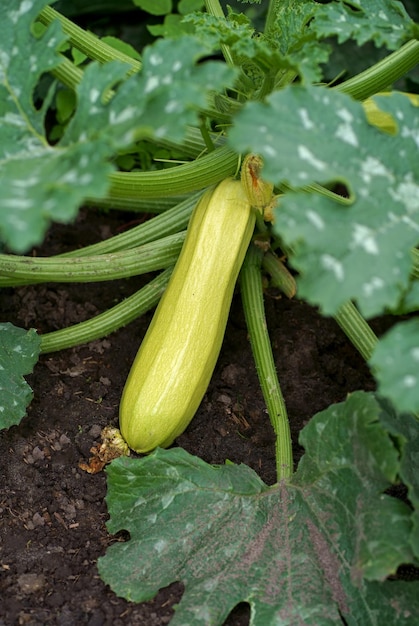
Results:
x,y
155,7
311,550
19,351
404,428
287,47
122,46
161,101
343,252
385,22
320,547
395,363
172,25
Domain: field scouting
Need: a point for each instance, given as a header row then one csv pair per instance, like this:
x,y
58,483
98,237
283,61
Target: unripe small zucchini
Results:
x,y
176,359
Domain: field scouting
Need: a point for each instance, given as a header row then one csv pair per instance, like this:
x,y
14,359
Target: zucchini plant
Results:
x,y
328,161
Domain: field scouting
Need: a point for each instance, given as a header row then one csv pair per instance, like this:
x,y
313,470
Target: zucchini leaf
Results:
x,y
316,550
385,22
395,364
40,182
19,351
359,250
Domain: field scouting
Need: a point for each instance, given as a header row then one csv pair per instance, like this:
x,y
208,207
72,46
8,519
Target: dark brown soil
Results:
x,y
53,514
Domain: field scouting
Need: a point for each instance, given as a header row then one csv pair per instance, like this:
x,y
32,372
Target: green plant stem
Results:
x,y
214,8
87,42
68,73
156,255
383,74
206,136
170,222
316,188
105,323
356,329
208,170
136,205
271,15
279,273
415,267
195,142
268,84
254,310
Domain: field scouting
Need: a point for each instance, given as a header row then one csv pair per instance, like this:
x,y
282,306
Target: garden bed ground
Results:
x,y
53,514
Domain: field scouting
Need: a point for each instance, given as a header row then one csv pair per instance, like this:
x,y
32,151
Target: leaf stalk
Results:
x,y
114,318
88,43
356,329
379,76
156,255
252,297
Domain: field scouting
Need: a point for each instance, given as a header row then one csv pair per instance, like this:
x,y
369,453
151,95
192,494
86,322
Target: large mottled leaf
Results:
x,y
39,182
19,351
385,22
395,363
315,550
23,59
342,252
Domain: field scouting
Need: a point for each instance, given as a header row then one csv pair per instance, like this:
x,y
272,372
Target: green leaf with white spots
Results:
x,y
315,550
360,250
23,59
40,182
19,351
395,363
385,22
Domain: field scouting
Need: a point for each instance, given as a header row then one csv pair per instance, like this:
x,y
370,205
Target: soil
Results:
x,y
53,514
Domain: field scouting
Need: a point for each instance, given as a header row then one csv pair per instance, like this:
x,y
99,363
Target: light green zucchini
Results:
x,y
176,359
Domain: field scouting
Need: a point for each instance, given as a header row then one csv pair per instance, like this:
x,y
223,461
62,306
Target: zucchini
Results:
x,y
178,354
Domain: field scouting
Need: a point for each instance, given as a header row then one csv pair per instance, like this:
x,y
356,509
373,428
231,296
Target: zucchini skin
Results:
x,y
178,354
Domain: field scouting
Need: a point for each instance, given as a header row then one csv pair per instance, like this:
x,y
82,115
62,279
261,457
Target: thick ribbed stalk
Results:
x,y
168,223
87,42
156,255
214,8
254,310
105,323
356,329
208,170
68,73
137,205
384,73
415,267
279,273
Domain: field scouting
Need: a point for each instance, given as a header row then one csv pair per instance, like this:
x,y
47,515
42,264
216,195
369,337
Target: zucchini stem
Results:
x,y
114,318
214,8
382,74
167,223
88,43
281,277
356,329
208,170
156,255
252,297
